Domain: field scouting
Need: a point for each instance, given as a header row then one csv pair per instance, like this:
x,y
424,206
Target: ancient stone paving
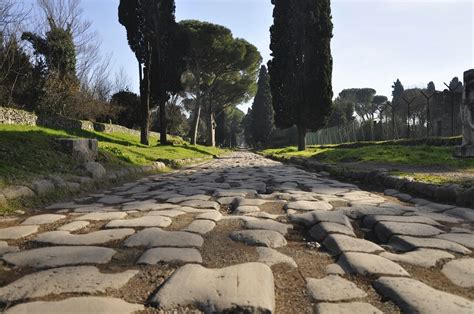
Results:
x,y
240,233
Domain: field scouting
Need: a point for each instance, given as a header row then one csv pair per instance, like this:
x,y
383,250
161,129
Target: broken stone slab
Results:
x,y
273,257
170,255
201,204
369,265
227,200
42,219
308,205
268,225
214,216
102,216
338,243
466,239
420,257
240,288
413,296
407,243
155,237
266,238
146,221
320,231
333,288
79,148
386,229
96,305
347,308
17,232
80,279
60,256
460,272
74,226
311,218
371,220
92,238
200,226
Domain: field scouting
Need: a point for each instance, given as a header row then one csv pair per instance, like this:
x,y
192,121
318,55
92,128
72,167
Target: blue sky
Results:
x,y
375,42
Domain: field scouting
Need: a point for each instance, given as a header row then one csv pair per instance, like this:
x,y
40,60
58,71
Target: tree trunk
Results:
x,y
163,123
393,123
428,118
144,104
212,130
408,122
197,117
301,138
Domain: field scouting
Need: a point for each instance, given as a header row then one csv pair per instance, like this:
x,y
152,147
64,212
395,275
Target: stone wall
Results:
x,y
21,117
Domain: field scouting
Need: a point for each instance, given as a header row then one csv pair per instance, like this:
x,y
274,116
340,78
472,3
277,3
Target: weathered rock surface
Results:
x,y
420,257
201,204
200,226
407,243
413,296
92,238
155,237
214,216
42,219
74,226
338,243
102,216
309,205
245,287
386,229
168,254
314,217
369,265
60,256
273,257
460,272
92,305
333,288
371,220
465,239
320,231
268,225
147,221
80,279
17,232
266,238
346,308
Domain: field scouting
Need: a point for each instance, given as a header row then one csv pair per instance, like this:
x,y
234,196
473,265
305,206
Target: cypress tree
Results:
x,y
301,69
262,124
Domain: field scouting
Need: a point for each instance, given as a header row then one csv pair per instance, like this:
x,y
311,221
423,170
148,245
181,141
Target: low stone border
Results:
x,y
451,193
95,172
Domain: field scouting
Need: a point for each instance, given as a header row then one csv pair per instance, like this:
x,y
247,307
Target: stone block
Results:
x,y
82,149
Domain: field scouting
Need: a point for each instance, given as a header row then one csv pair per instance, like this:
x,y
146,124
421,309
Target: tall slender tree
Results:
x,y
263,123
396,103
301,68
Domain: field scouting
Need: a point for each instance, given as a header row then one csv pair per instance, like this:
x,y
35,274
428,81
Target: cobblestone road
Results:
x,y
239,233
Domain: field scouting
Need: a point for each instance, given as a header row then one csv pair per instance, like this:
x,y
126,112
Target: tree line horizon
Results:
x,y
193,74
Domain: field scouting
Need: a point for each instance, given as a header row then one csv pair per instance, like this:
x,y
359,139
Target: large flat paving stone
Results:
x,y
465,239
309,205
200,226
241,288
420,257
17,232
346,308
242,210
333,288
273,257
74,226
170,255
60,256
90,305
266,238
92,238
311,218
155,237
214,216
5,248
407,243
141,222
102,216
387,229
413,296
371,220
358,212
201,204
80,279
172,213
320,231
113,200
42,219
460,272
369,265
268,225
338,243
